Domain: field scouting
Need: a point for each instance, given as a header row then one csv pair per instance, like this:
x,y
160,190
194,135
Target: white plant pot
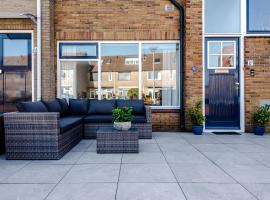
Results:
x,y
122,126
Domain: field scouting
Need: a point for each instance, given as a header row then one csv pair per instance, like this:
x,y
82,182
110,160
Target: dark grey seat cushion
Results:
x,y
31,107
137,105
78,106
64,105
139,119
67,123
53,106
98,119
101,107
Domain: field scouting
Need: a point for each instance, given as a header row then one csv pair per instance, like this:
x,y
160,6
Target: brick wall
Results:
x,y
165,120
257,88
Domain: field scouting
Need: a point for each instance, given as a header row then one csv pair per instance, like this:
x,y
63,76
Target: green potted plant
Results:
x,y
197,118
122,118
260,119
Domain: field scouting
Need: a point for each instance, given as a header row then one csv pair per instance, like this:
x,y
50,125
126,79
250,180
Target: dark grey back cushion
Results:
x,y
137,105
37,106
64,105
53,106
101,107
78,106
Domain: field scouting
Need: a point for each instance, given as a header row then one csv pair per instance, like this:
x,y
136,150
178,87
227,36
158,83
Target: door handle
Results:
x,y
237,84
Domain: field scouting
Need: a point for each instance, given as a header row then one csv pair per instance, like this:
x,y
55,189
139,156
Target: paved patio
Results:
x,y
172,166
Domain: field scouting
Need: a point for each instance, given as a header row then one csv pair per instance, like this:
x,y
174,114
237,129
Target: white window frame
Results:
x,y
221,54
110,76
99,60
157,79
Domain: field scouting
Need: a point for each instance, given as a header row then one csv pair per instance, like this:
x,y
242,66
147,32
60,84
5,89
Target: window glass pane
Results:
x,y
159,63
120,74
15,52
228,47
79,79
78,50
228,61
259,15
215,47
222,16
214,61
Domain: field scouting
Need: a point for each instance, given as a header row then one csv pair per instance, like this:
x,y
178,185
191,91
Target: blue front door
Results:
x,y
222,83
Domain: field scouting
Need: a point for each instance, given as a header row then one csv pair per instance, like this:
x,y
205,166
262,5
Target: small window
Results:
x,y
221,54
78,50
131,61
124,76
93,76
151,77
110,76
258,13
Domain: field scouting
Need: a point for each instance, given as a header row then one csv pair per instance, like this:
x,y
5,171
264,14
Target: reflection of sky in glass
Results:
x,y
119,49
15,47
214,47
146,48
259,15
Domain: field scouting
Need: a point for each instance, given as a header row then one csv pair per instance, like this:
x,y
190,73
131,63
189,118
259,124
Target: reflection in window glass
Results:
x,y
15,52
78,50
75,81
159,65
258,15
223,16
120,61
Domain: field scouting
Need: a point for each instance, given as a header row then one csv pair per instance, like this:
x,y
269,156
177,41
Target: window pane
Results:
x,y
78,50
214,61
222,16
160,74
214,47
120,74
259,15
76,81
228,47
15,52
228,61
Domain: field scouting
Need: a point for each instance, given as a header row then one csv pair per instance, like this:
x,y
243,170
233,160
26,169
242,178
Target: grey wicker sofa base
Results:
x,y
32,136
110,140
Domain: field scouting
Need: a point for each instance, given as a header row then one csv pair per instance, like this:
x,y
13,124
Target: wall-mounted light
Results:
x,y
30,16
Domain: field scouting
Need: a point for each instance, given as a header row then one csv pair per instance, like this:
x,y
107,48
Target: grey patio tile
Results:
x,y
261,191
261,157
234,139
202,139
92,147
25,191
84,191
212,191
149,191
10,167
171,139
186,157
248,148
107,173
147,141
213,148
93,157
82,146
248,173
144,157
230,158
141,173
35,173
69,159
176,147
149,148
199,173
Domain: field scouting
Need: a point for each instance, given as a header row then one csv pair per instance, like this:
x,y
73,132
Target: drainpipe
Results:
x,y
180,7
38,49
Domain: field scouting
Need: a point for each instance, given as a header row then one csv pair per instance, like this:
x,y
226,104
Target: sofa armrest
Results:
x,y
148,113
31,123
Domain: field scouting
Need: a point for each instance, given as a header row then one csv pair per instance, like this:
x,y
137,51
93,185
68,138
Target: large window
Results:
x,y
120,64
159,64
223,16
128,70
258,12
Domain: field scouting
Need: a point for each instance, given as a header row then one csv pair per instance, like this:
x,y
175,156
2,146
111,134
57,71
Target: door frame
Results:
x,y
32,54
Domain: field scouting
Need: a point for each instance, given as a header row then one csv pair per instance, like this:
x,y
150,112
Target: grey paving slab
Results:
x,y
171,139
176,147
204,173
203,139
211,191
82,146
230,158
24,191
149,191
144,157
88,173
186,157
69,159
141,173
248,173
213,148
93,157
234,139
35,173
261,191
148,147
8,168
84,191
261,157
248,148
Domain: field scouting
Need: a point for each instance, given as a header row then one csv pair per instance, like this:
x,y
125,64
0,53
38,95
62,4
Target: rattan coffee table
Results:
x,y
110,140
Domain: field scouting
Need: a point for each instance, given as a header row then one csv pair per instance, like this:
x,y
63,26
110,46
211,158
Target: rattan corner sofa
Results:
x,y
49,129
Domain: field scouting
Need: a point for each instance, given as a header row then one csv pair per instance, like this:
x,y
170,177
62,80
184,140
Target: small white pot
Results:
x,y
122,126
